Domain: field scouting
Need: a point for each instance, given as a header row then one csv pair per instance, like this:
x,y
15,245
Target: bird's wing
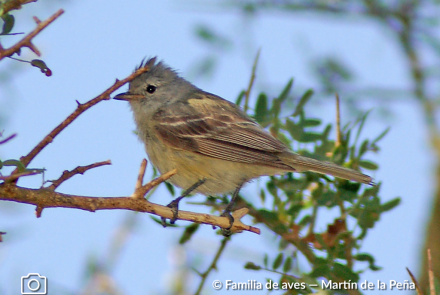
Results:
x,y
209,125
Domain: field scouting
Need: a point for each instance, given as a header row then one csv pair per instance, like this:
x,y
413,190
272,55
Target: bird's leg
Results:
x,y
227,211
174,205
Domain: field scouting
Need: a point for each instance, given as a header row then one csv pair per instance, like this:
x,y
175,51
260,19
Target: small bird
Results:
x,y
213,144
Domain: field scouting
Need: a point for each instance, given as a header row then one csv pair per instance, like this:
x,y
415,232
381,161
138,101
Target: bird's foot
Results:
x,y
227,231
174,206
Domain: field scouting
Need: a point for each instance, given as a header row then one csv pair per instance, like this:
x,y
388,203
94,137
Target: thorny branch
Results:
x,y
81,108
27,40
78,170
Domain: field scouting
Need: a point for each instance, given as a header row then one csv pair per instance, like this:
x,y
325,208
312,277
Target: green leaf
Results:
x,y
240,97
311,122
208,35
272,189
310,137
15,163
304,99
325,198
295,130
38,63
205,67
159,221
261,110
276,105
348,190
283,244
390,205
368,165
262,196
155,173
170,188
363,148
305,220
269,216
8,24
265,260
326,132
284,94
278,261
361,126
368,210
321,270
188,233
370,259
287,264
252,266
345,273
381,135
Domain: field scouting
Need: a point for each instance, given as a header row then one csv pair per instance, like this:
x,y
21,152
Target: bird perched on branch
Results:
x,y
215,147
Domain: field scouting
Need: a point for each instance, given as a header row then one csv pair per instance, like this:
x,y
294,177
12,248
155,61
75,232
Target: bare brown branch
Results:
x,y
16,176
26,41
431,274
8,138
81,108
78,170
414,280
140,179
143,190
47,198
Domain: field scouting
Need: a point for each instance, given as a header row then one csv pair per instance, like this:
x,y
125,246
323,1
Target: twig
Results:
x,y
338,122
46,198
8,138
413,278
430,274
81,108
139,193
140,179
15,176
78,170
20,60
251,82
27,40
213,264
313,219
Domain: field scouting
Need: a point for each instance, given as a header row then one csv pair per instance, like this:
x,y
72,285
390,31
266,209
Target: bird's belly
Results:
x,y
221,176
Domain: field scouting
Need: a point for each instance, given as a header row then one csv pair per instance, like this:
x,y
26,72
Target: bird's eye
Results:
x,y
151,88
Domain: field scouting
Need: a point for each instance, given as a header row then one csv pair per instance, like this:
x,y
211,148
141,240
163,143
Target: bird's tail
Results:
x,y
301,164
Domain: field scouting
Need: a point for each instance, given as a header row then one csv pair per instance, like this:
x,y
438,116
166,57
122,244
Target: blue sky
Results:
x,y
94,43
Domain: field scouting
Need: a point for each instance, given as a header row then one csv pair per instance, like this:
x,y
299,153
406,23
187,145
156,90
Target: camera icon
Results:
x,y
33,283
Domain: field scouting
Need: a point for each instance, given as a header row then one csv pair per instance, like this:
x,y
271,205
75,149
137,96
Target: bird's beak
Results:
x,y
128,96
